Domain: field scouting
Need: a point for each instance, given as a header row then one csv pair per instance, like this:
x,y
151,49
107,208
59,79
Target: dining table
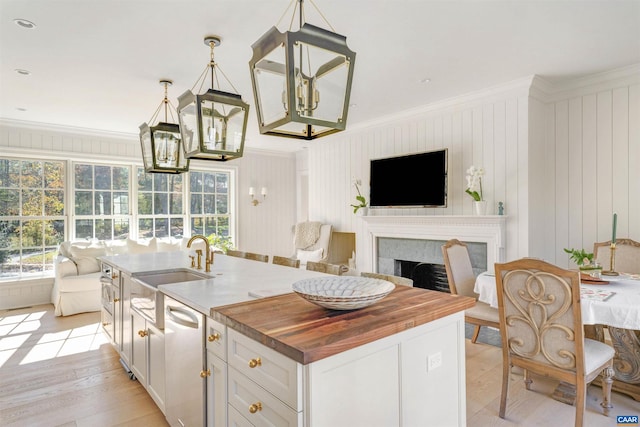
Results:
x,y
612,302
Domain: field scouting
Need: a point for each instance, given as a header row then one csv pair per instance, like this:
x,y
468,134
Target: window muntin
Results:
x,y
32,216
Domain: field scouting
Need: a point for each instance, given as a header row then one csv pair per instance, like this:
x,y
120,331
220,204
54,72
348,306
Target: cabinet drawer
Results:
x,y
257,405
216,336
236,419
275,372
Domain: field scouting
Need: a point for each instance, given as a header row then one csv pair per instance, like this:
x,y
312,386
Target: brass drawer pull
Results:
x,y
205,374
255,407
213,337
255,362
143,333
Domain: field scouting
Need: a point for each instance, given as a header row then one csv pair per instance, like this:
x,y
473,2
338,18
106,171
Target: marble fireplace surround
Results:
x,y
489,229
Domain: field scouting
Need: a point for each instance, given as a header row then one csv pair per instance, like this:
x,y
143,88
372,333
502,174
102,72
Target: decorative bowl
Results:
x,y
343,292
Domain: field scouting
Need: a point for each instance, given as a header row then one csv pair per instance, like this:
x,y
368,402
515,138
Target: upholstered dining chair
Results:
x,y
287,262
461,282
396,280
627,255
248,255
542,331
323,267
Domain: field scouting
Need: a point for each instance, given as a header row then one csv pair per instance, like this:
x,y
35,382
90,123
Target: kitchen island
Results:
x,y
274,358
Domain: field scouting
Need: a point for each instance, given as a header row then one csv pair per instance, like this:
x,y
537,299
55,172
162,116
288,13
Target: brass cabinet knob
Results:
x,y
213,337
255,362
116,300
205,374
143,333
255,407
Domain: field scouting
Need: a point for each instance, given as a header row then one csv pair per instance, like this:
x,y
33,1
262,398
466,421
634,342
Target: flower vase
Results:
x,y
363,211
480,207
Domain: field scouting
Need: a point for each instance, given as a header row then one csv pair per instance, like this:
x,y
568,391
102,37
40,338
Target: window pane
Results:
x,y
195,182
210,226
9,236
103,203
120,228
84,203
209,183
177,227
83,177
103,177
175,183
120,203
32,202
196,204
104,229
10,263
9,173
31,233
223,226
175,203
160,204
121,178
209,204
53,232
145,180
197,226
32,260
162,227
222,204
32,174
54,202
222,183
145,227
9,202
145,203
84,228
160,182
54,175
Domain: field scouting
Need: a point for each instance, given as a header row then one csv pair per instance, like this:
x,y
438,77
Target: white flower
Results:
x,y
474,182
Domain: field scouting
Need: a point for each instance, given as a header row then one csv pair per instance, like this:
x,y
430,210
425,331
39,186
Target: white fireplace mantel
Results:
x,y
488,229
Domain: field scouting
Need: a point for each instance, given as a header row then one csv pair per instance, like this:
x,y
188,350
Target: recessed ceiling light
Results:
x,y
425,80
24,23
21,109
23,72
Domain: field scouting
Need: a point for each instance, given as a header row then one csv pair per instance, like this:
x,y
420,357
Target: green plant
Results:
x,y
362,202
222,243
580,256
474,183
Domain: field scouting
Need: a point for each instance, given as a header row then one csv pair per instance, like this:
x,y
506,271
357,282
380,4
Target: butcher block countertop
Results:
x,y
306,332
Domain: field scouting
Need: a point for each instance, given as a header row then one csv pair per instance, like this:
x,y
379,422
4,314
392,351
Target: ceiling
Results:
x,y
95,64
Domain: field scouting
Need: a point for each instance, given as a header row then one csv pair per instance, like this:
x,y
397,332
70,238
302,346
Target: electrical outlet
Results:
x,y
434,361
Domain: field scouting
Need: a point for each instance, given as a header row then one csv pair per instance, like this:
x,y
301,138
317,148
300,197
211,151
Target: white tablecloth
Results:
x,y
614,304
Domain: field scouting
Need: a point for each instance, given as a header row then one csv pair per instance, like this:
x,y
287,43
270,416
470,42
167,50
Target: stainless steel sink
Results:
x,y
175,276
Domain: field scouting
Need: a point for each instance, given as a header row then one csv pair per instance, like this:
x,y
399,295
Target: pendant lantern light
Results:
x,y
213,124
301,80
161,144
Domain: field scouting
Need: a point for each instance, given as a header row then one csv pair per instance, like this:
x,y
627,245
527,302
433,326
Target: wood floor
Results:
x,y
60,371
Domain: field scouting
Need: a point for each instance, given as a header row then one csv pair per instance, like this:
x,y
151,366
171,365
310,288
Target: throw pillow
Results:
x,y
87,265
141,247
313,256
93,251
169,245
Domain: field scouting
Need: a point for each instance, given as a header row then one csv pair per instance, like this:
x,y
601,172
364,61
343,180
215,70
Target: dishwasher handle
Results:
x,y
182,317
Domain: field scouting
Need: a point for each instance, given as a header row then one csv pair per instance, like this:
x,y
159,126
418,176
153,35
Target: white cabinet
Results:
x,y
148,358
415,377
216,346
126,327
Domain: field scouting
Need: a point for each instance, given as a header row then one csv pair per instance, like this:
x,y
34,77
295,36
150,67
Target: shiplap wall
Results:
x,y
487,129
593,144
266,228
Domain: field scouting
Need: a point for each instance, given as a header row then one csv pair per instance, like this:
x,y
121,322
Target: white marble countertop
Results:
x,y
232,279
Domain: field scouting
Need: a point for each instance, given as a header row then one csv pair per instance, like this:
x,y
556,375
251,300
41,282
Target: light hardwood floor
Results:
x,y
60,371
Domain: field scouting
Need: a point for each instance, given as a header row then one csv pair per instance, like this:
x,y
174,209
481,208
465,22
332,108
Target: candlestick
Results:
x,y
612,260
615,223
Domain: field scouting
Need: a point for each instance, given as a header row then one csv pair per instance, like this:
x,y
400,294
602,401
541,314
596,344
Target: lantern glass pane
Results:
x,y
189,127
321,82
147,152
270,79
167,147
222,126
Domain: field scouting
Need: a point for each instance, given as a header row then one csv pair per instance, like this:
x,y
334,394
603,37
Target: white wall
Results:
x,y
593,150
487,128
561,158
266,228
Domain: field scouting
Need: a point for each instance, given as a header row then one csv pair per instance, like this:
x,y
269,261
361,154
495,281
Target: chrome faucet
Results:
x,y
208,259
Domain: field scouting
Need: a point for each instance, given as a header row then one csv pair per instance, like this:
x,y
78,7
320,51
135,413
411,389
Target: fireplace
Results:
x,y
419,239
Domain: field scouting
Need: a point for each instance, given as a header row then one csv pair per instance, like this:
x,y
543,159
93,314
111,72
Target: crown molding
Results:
x,y
50,127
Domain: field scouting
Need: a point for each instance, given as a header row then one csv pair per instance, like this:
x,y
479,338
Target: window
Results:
x,y
209,203
160,207
101,201
32,216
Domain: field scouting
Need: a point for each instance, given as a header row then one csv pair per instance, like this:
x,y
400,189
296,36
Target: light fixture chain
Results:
x,y
322,15
166,101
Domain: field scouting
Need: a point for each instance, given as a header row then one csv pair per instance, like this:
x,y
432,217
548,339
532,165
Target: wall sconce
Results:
x,y
252,193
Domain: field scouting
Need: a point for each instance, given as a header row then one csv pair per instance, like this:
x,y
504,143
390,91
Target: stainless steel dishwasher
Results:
x,y
185,362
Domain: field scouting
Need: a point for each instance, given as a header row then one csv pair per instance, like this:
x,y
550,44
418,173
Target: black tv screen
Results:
x,y
410,180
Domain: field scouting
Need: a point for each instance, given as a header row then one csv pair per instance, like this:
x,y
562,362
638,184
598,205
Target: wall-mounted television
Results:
x,y
414,180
